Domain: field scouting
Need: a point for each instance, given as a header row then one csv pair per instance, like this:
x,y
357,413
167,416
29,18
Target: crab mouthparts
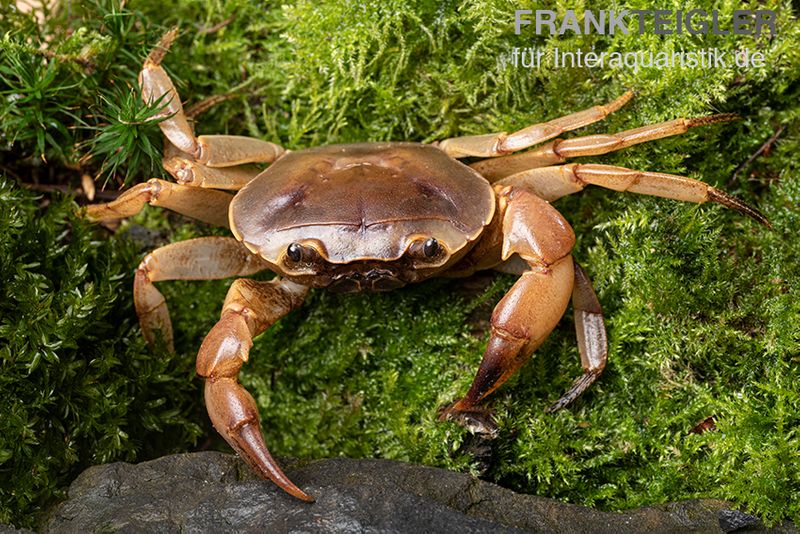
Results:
x,y
371,280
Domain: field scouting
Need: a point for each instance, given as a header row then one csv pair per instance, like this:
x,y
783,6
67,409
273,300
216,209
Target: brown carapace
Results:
x,y
377,216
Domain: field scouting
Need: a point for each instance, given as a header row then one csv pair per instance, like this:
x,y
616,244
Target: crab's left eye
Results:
x,y
431,248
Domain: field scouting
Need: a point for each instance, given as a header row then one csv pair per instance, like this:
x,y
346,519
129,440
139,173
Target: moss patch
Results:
x,y
701,304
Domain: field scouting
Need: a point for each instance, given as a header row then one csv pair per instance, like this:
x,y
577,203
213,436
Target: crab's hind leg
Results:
x,y
500,144
202,151
559,150
204,258
591,333
250,308
526,315
552,183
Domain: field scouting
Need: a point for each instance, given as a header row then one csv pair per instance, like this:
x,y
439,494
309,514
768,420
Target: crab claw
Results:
x,y
235,416
249,309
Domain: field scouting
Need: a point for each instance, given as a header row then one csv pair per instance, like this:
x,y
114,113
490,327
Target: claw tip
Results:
x,y
306,497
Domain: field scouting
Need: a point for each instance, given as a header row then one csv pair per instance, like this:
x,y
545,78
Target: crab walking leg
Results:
x,y
250,308
592,341
499,144
191,173
204,258
205,205
157,87
552,183
558,150
230,150
527,314
210,150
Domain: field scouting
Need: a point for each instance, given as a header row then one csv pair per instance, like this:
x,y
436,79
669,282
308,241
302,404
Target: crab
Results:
x,y
375,217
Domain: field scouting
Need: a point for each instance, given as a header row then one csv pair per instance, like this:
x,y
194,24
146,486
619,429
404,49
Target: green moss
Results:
x,y
701,304
78,386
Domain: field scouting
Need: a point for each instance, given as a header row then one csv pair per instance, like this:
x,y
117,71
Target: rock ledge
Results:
x,y
214,492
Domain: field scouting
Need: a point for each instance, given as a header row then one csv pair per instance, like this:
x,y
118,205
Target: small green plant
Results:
x,y
78,385
38,104
127,143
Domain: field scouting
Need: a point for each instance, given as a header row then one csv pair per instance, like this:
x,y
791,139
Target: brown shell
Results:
x,y
366,201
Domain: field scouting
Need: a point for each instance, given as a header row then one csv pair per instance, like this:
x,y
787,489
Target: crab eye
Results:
x,y
294,251
430,248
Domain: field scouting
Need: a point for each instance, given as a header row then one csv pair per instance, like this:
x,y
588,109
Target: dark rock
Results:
x,y
215,492
736,521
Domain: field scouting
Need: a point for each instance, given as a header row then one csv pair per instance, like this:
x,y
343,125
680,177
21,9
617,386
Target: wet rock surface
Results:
x,y
215,492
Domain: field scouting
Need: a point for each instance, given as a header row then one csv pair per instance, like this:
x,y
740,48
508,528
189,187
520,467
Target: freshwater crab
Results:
x,y
377,216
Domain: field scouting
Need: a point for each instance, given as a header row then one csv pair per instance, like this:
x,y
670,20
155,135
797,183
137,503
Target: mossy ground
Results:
x,y
701,304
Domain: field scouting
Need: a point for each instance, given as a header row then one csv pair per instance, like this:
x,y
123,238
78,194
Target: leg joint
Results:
x,y
511,333
574,176
145,267
245,421
153,190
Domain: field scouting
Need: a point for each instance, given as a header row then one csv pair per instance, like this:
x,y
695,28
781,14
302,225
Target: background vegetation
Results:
x,y
702,305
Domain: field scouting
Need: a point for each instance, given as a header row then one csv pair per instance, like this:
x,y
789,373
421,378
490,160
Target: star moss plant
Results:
x,y
701,304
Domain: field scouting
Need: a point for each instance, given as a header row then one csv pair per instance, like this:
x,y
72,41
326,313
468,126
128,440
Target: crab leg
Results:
x,y
205,205
558,150
191,173
157,87
527,314
499,144
210,150
204,258
250,308
590,329
592,341
552,183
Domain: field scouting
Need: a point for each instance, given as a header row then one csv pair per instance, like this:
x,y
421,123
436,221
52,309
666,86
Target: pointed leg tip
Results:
x,y
712,119
478,421
287,486
620,101
580,385
305,497
90,213
730,201
276,476
251,447
156,55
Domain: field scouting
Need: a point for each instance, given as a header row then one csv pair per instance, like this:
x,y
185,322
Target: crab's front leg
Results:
x,y
203,258
201,156
207,205
250,308
523,319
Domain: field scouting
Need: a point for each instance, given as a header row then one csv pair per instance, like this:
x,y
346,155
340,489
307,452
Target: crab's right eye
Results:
x,y
430,248
294,251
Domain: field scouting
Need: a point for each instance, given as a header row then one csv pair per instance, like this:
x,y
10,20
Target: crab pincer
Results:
x,y
250,308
